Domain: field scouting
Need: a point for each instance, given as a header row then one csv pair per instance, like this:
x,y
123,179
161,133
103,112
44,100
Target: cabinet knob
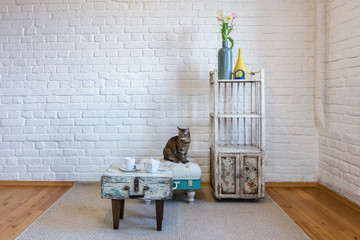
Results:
x,y
126,188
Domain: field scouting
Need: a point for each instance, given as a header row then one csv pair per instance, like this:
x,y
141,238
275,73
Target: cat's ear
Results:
x,y
179,128
187,130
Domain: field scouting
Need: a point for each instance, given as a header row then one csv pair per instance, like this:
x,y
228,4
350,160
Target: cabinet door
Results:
x,y
228,167
251,175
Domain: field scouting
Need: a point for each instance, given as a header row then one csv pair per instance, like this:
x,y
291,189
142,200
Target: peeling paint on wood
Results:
x,y
236,161
239,176
228,173
117,184
250,175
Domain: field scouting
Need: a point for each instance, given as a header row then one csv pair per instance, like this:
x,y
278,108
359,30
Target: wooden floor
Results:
x,y
318,213
22,205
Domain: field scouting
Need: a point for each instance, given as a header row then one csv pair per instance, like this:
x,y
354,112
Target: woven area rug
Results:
x,y
82,214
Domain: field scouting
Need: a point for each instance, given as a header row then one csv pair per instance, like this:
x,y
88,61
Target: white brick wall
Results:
x,y
86,82
339,139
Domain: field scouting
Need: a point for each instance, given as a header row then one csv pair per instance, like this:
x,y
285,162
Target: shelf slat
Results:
x,y
237,149
235,115
238,80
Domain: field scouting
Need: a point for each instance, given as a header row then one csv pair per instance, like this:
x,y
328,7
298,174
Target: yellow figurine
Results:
x,y
240,71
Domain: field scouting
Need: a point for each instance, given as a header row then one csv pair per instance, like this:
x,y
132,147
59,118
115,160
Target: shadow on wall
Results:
x,y
191,91
185,91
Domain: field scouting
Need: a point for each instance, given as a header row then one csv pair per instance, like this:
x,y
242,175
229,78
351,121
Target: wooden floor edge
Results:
x,y
291,184
38,183
205,183
342,199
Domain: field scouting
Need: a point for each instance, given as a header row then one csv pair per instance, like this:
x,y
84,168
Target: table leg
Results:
x,y
159,213
117,211
122,203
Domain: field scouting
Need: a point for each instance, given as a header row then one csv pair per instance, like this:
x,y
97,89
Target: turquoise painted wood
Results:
x,y
117,184
183,184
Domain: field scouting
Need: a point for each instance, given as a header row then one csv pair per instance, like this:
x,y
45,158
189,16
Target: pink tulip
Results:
x,y
219,19
234,16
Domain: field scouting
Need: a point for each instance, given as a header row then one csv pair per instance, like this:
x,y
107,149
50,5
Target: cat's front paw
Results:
x,y
184,161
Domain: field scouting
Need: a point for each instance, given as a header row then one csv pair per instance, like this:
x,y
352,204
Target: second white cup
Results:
x,y
128,163
151,165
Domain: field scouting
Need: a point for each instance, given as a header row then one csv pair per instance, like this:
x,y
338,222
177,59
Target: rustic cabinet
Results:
x,y
236,137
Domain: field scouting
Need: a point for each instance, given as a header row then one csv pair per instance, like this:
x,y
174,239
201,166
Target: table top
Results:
x,y
118,184
115,171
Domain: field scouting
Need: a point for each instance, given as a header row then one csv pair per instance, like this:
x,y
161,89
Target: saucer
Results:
x,y
124,169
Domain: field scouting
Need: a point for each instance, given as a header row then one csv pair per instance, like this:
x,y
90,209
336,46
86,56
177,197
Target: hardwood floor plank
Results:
x,y
319,214
298,213
322,216
15,230
20,200
22,205
344,200
60,191
330,215
335,209
37,183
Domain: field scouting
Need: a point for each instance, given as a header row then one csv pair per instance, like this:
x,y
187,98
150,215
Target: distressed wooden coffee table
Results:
x,y
118,186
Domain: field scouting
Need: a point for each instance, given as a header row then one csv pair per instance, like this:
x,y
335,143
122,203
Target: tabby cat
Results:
x,y
176,148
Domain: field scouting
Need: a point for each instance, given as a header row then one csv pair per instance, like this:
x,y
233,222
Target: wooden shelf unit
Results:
x,y
237,124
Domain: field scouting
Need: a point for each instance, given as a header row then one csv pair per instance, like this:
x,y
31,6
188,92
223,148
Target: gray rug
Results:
x,y
82,214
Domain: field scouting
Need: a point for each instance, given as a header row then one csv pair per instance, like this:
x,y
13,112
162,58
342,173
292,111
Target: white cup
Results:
x,y
128,163
151,165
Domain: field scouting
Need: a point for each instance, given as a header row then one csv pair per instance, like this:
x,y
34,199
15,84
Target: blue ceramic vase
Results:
x,y
225,61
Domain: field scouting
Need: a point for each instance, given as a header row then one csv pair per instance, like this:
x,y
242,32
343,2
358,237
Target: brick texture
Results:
x,y
339,138
84,82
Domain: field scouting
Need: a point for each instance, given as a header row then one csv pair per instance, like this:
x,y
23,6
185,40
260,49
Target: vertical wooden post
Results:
x,y
262,110
244,114
159,213
225,111
238,112
231,119
116,207
122,203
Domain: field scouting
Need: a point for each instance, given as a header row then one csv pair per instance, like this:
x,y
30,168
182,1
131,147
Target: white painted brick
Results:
x,y
339,154
113,121
160,29
38,169
49,176
61,176
86,137
64,168
14,137
104,77
14,169
87,168
51,152
37,137
146,106
135,45
12,122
